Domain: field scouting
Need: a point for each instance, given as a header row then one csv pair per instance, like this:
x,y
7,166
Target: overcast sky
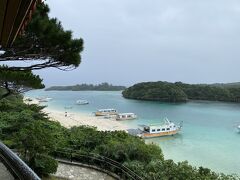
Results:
x,y
129,41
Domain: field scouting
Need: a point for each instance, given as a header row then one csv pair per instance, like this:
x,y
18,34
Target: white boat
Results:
x,y
106,112
82,102
44,99
126,116
165,129
238,128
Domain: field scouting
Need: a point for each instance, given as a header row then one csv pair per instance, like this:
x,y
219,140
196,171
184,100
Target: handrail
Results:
x,y
18,168
101,162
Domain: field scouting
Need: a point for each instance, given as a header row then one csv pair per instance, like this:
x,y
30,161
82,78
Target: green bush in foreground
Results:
x,y
44,165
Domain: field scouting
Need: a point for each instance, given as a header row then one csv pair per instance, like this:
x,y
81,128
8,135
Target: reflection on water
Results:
x,y
159,140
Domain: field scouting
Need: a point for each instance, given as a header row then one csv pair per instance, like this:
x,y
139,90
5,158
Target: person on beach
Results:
x,y
65,113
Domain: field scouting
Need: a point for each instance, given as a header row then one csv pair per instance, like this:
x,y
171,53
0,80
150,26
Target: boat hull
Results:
x,y
104,114
82,103
122,119
151,135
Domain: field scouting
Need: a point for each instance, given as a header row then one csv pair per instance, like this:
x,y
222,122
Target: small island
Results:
x,y
182,92
87,87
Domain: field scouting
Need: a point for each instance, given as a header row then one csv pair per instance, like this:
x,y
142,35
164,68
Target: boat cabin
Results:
x,y
159,128
166,128
126,116
82,102
104,112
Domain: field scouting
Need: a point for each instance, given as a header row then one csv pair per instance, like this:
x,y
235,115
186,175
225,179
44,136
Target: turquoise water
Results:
x,y
209,137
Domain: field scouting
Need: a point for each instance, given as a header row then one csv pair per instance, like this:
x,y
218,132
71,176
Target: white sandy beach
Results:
x,y
78,119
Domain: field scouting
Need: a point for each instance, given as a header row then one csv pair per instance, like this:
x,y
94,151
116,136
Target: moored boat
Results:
x,y
238,128
157,130
82,102
43,99
106,112
126,116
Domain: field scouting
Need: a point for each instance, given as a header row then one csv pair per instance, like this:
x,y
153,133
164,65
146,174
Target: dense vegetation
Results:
x,y
25,128
228,85
181,92
18,82
87,87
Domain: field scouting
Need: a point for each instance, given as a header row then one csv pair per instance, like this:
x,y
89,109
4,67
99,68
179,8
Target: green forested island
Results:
x,y
182,92
87,87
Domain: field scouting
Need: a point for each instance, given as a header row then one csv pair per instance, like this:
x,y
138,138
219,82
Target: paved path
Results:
x,y
4,173
80,173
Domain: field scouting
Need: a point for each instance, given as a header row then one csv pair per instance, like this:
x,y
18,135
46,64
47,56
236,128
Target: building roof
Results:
x,y
14,16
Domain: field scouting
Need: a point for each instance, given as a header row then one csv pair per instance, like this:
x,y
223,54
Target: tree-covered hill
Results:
x,y
229,85
182,92
87,87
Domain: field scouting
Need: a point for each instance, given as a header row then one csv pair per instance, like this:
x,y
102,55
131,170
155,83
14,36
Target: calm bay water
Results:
x,y
209,137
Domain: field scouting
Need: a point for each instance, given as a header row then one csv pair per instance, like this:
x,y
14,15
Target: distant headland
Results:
x,y
182,92
87,87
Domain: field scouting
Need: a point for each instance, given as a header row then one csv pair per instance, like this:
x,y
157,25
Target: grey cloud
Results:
x,y
130,41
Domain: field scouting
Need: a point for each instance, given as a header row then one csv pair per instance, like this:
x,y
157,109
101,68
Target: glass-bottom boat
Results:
x,y
165,129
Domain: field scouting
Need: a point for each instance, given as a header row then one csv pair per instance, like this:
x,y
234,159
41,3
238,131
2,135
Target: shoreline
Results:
x,y
71,119
178,148
79,119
